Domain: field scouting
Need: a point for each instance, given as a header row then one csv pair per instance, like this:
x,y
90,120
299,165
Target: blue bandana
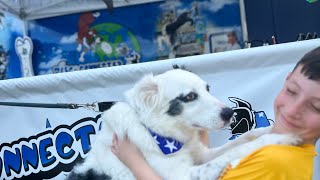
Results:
x,y
167,145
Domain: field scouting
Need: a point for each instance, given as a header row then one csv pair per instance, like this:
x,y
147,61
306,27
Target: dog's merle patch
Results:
x,y
89,175
175,104
175,107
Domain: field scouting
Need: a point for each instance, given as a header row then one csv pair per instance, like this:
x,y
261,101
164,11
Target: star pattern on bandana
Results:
x,y
167,145
155,138
170,145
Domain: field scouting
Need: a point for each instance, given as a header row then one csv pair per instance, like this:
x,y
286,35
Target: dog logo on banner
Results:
x,y
245,118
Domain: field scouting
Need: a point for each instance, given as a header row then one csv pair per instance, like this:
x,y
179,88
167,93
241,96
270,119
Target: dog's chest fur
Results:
x,y
103,161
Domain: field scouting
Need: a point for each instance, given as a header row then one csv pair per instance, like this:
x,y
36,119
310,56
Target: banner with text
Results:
x,y
45,143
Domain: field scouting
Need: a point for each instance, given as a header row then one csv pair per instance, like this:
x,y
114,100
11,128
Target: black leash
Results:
x,y
96,106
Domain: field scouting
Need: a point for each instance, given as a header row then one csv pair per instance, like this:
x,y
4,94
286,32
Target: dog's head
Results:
x,y
178,98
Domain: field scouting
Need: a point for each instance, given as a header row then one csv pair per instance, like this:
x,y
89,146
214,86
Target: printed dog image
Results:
x,y
175,25
3,63
163,115
169,29
246,119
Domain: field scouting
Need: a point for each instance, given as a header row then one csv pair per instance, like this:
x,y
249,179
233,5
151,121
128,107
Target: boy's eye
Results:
x,y
290,91
315,108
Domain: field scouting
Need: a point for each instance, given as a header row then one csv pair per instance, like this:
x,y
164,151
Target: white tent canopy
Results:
x,y
36,9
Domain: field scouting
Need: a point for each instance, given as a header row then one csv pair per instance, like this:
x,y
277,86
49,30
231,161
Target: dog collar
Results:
x,y
167,145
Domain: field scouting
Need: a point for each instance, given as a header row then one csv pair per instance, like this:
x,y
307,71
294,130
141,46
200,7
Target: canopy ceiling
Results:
x,y
36,9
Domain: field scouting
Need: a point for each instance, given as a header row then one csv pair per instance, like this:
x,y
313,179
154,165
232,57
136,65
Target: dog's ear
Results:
x,y
183,67
144,95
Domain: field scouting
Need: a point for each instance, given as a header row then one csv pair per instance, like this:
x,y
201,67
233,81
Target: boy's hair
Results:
x,y
310,63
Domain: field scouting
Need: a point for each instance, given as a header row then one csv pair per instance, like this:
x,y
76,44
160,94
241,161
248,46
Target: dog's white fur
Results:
x,y
147,105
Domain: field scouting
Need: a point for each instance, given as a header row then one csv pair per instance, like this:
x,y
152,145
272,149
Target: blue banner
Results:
x,y
134,34
11,27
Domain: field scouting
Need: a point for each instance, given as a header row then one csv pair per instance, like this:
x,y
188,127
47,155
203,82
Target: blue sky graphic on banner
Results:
x,y
132,34
10,28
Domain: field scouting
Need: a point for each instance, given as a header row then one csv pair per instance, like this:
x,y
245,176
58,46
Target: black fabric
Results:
x,y
89,175
103,106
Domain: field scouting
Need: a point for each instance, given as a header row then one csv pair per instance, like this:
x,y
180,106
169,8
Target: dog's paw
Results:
x,y
255,133
289,139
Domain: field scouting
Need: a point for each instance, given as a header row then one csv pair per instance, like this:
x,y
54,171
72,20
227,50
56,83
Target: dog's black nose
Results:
x,y
226,114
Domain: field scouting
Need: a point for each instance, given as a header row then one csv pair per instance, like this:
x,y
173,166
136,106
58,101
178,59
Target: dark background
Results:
x,y
284,19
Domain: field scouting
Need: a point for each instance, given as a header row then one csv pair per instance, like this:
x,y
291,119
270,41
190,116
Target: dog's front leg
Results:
x,y
120,117
209,154
213,169
244,138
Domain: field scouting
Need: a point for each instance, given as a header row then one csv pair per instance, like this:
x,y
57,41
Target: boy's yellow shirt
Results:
x,y
275,162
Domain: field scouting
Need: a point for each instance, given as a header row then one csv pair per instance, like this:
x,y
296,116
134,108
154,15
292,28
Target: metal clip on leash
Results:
x,y
89,106
96,106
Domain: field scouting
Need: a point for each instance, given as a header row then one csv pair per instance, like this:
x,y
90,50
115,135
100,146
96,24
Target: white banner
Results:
x,y
33,140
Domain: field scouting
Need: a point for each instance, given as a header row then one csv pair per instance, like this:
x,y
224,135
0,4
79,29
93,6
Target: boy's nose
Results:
x,y
294,110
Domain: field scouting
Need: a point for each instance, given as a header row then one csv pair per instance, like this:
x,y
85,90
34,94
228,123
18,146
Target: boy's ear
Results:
x,y
144,94
288,76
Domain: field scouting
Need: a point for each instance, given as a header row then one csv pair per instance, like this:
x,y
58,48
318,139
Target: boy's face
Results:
x,y
297,107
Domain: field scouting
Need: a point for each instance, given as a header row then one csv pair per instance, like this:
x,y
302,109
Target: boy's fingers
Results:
x,y
114,140
113,150
115,137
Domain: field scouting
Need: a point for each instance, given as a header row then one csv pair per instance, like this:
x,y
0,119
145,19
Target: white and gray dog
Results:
x,y
163,116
